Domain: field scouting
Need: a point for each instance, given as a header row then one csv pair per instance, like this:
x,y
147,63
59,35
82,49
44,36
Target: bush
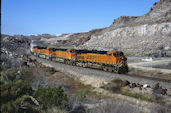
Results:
x,y
25,72
9,74
13,90
15,74
115,85
50,70
8,108
13,93
51,96
20,105
120,82
81,94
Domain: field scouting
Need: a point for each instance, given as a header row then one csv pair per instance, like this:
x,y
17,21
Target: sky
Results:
x,y
55,17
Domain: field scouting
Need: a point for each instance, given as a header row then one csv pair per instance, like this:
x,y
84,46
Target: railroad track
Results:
x,y
96,77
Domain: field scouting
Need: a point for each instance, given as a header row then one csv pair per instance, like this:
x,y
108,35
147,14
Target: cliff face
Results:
x,y
147,34
143,39
159,13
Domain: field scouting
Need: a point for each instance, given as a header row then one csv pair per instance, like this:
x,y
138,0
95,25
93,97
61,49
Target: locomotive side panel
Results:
x,y
82,57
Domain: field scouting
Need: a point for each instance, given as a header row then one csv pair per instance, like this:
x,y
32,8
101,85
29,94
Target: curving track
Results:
x,y
96,77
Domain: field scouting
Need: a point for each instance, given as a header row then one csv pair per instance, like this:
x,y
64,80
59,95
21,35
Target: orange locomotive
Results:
x,y
113,61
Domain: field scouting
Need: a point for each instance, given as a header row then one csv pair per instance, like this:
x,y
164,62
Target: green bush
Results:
x,y
15,73
8,108
50,70
1,82
115,85
13,94
81,94
51,96
25,72
120,82
16,106
13,89
2,67
9,74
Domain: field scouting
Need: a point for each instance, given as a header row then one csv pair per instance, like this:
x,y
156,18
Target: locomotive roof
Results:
x,y
39,47
58,49
90,51
53,49
77,51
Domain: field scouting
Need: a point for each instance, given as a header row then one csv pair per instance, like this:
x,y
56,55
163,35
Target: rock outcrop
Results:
x,y
139,35
13,50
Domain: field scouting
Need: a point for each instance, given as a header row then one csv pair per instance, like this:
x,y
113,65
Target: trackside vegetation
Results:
x,y
18,96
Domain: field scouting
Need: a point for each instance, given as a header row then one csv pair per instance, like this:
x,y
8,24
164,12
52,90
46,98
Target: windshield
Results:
x,y
115,54
72,51
121,54
118,54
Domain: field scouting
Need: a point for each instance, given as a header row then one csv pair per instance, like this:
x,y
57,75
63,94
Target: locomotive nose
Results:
x,y
124,61
124,58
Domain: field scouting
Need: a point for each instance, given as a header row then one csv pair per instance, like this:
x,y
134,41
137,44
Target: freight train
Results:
x,y
113,61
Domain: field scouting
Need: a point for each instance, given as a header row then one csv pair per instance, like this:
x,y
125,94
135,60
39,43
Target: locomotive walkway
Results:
x,y
95,77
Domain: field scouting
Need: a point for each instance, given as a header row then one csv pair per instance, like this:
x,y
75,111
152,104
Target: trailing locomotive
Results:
x,y
113,61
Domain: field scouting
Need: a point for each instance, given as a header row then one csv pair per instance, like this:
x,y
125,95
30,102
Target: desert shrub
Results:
x,y
8,108
115,85
24,72
50,70
81,94
13,93
1,82
14,89
51,96
116,80
15,74
20,105
120,82
9,74
2,67
84,91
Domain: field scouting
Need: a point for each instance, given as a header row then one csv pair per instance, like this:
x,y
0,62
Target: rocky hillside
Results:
x,y
144,35
159,13
13,50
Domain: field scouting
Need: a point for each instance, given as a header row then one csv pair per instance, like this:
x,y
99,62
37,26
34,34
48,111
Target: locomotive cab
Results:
x,y
72,54
122,61
71,50
119,59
